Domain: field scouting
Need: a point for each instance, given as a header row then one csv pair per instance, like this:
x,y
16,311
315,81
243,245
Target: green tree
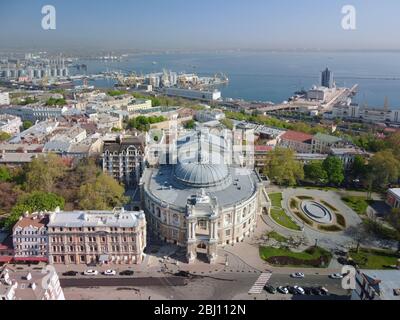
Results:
x,y
384,169
393,142
227,123
394,219
32,202
56,102
190,124
334,169
27,124
115,93
43,172
4,136
5,174
359,167
315,172
104,193
9,195
282,167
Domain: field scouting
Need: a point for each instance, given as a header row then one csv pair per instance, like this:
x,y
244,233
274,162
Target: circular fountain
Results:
x,y
317,212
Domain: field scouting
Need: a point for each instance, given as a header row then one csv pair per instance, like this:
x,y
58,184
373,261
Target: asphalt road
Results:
x,y
222,286
122,282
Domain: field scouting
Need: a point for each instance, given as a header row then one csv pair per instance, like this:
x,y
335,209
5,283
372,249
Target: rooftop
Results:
x,y
34,220
27,281
385,282
297,136
395,191
163,185
327,138
116,218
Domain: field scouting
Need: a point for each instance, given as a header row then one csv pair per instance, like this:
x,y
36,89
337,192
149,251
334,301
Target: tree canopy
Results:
x,y
334,169
5,174
384,168
314,171
282,167
42,173
4,136
32,202
104,193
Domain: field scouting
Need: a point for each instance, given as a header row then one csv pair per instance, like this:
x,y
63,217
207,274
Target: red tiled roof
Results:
x,y
32,220
297,136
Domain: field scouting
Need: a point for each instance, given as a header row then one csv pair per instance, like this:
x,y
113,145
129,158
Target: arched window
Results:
x,y
175,219
244,212
228,219
158,212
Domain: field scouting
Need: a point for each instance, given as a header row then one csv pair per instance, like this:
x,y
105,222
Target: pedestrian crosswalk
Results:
x,y
258,286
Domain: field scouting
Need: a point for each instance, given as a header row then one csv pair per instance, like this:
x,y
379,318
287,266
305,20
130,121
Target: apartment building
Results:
x,y
322,143
84,237
298,141
123,158
30,238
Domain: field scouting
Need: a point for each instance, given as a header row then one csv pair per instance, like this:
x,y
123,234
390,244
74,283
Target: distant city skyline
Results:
x,y
200,25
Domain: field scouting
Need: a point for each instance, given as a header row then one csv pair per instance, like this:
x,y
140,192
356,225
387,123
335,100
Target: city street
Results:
x,y
222,286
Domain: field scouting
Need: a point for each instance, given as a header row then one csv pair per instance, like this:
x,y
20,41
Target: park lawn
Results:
x,y
276,199
374,259
358,204
281,218
277,237
310,254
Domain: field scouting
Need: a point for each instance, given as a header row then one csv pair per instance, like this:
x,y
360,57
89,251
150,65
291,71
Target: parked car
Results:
x,y
126,273
283,290
298,275
323,291
315,291
308,291
336,276
90,272
269,289
110,272
70,273
292,290
299,290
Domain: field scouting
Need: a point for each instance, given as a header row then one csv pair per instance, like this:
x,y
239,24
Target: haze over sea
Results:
x,y
275,76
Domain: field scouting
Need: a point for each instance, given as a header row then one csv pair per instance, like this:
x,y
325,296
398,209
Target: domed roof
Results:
x,y
201,175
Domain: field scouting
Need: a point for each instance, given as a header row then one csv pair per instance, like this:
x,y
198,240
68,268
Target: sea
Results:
x,y
273,76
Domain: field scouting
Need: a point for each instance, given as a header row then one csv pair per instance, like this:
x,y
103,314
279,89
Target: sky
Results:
x,y
200,25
